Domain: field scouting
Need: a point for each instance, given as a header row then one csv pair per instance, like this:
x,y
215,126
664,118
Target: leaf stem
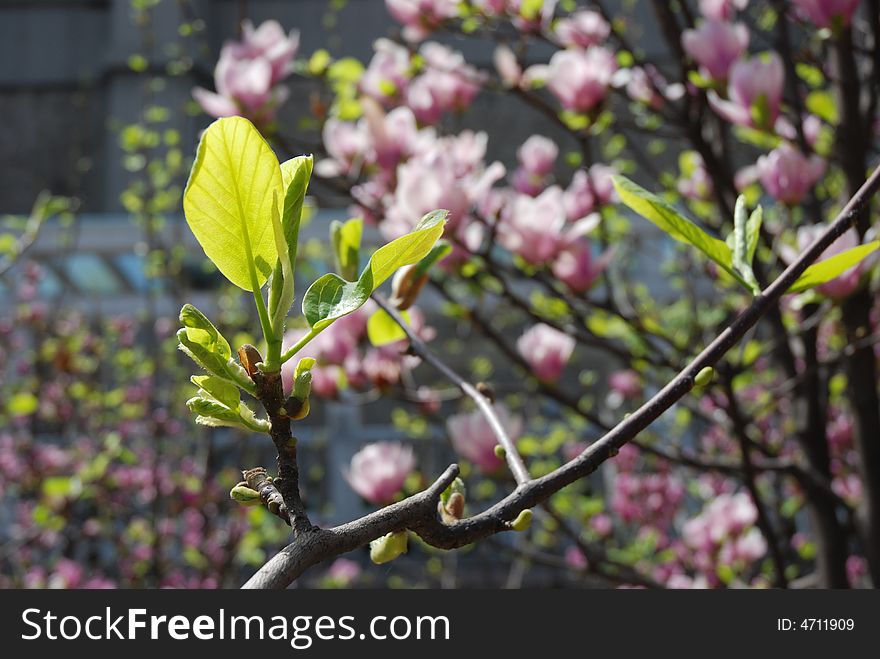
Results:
x,y
299,345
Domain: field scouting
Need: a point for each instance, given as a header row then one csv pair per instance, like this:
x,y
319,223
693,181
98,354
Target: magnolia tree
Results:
x,y
737,418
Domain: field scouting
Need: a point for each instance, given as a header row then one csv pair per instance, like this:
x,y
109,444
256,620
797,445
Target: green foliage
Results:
x,y
382,329
209,349
824,271
229,199
744,241
346,240
332,297
664,216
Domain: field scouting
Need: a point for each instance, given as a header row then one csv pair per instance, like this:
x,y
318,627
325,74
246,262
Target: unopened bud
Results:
x,y
705,376
486,391
500,452
455,506
249,357
406,286
245,495
523,521
388,547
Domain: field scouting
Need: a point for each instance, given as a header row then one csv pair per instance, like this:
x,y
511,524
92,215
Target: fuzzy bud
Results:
x,y
523,521
388,547
245,495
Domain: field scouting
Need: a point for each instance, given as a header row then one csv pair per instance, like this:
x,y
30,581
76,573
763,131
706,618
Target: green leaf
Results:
x,y
204,344
824,271
655,209
220,389
228,201
22,404
822,104
295,176
346,239
382,329
753,233
438,252
739,242
213,413
331,297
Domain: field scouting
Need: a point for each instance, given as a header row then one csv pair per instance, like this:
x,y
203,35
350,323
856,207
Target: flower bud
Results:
x,y
455,505
704,377
406,286
245,495
249,357
500,451
523,521
388,547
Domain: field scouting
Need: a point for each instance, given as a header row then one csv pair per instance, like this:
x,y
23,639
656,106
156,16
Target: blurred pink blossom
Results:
x,y
447,83
378,471
827,13
421,17
788,175
580,78
248,73
581,29
473,438
715,46
754,92
388,72
547,351
537,157
721,10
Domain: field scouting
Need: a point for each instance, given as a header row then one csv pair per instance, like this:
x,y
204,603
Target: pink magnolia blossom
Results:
x,y
580,78
447,83
378,471
627,384
715,46
721,10
547,351
447,172
754,92
788,175
472,436
346,144
533,226
420,17
575,559
507,65
247,74
581,29
343,572
845,284
828,13
388,73
575,266
537,157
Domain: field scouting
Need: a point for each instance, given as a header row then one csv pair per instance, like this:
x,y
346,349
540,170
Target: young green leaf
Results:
x,y
228,201
824,271
221,390
664,216
295,176
211,412
738,241
346,239
753,233
204,344
382,329
331,297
